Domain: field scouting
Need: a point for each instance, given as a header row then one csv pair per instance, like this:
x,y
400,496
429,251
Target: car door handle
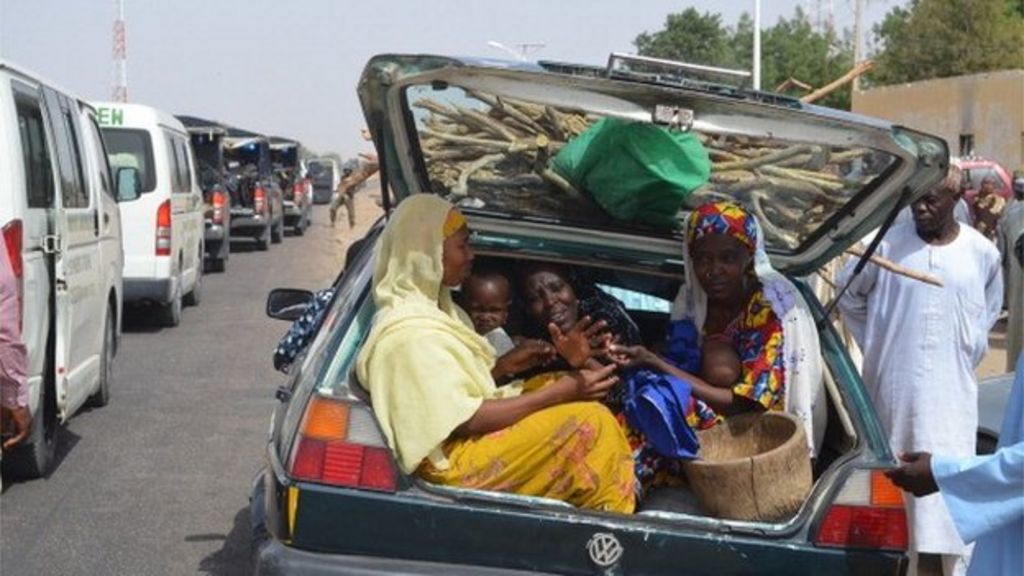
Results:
x,y
106,218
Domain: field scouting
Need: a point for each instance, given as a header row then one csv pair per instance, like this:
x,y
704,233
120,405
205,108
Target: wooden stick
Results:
x,y
895,268
831,87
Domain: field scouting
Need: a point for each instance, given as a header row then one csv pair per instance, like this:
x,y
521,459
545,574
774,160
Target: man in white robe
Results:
x,y
984,494
921,344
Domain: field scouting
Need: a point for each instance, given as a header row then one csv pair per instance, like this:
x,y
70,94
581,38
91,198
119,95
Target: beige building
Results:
x,y
981,114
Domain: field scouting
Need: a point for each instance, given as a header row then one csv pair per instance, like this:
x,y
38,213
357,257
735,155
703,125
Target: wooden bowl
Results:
x,y
752,466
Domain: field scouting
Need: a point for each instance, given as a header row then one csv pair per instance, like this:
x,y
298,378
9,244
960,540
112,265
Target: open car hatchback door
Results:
x,y
483,134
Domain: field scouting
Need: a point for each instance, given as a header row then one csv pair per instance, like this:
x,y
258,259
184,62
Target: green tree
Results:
x,y
794,49
688,36
942,38
790,48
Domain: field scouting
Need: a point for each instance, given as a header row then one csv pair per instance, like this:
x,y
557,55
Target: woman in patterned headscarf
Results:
x,y
732,293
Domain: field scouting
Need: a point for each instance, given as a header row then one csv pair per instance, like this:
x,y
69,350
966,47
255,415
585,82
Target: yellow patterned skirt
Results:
x,y
573,452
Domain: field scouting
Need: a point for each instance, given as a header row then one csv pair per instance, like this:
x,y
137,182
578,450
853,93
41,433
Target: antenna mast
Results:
x,y
120,93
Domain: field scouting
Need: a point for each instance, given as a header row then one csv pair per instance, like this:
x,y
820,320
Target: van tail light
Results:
x,y
339,444
259,200
163,229
219,202
13,238
867,513
298,191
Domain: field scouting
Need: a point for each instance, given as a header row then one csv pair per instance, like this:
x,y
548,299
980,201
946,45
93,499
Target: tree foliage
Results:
x,y
942,38
689,36
792,48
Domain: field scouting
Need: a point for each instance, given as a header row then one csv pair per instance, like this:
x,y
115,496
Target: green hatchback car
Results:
x,y
481,133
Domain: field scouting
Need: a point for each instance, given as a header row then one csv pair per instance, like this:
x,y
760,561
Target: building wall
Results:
x,y
989,107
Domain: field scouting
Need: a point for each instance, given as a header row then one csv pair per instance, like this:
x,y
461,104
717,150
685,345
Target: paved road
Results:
x,y
157,481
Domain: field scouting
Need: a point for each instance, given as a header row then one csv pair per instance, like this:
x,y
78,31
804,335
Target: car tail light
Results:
x,y
13,239
297,191
163,229
259,199
219,202
867,513
339,444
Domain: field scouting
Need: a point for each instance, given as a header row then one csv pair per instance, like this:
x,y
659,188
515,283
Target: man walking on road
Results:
x,y
346,193
921,344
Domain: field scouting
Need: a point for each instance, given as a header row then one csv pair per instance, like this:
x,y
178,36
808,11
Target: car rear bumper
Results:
x,y
148,289
276,559
248,225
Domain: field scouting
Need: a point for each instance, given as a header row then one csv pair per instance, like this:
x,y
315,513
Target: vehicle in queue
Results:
x,y
163,224
257,211
207,139
331,498
62,229
325,176
297,188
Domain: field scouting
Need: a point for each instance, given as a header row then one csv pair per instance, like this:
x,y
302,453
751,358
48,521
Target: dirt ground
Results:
x,y
368,210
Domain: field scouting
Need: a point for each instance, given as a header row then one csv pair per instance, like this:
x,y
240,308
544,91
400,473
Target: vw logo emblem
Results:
x,y
604,549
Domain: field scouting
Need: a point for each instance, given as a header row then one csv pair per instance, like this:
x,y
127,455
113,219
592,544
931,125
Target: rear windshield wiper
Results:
x,y
890,218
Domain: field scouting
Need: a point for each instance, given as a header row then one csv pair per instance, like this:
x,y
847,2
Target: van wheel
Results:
x,y
277,232
102,394
170,313
35,456
194,297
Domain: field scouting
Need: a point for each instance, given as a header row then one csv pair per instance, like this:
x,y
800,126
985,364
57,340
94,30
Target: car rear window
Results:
x,y
490,152
128,148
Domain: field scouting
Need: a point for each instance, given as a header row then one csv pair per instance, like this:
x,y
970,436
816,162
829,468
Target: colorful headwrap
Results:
x,y
722,218
453,223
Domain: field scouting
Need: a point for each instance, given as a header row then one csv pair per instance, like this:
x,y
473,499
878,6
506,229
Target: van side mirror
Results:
x,y
288,303
128,185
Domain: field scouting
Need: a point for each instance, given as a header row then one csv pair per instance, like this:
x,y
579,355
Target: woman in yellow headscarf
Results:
x,y
429,376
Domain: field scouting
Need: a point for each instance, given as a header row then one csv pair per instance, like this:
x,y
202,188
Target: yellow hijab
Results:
x,y
427,370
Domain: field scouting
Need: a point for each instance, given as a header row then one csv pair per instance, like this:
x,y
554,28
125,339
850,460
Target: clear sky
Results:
x,y
290,68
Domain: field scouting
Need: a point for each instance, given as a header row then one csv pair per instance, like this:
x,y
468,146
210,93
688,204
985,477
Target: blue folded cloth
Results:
x,y
656,403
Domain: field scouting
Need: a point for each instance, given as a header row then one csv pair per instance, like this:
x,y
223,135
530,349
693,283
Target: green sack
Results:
x,y
636,171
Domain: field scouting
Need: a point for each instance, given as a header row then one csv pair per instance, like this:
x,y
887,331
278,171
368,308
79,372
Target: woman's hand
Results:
x,y
527,355
586,384
633,356
585,340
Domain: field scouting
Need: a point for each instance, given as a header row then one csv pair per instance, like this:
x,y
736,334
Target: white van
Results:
x,y
163,222
60,221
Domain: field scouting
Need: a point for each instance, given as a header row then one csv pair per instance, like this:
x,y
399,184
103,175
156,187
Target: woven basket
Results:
x,y
753,466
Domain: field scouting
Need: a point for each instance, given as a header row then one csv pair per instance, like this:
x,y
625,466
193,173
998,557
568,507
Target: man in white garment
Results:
x,y
921,344
984,494
1009,240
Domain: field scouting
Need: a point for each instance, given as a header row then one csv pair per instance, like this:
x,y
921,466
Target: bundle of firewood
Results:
x,y
500,147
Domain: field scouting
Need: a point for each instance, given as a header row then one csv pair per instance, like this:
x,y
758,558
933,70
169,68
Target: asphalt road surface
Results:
x,y
157,481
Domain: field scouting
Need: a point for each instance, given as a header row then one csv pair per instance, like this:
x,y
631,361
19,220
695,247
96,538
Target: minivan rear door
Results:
x,y
79,298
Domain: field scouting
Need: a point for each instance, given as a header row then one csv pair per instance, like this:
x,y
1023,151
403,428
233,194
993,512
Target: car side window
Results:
x,y
174,173
78,196
73,193
184,166
34,150
93,131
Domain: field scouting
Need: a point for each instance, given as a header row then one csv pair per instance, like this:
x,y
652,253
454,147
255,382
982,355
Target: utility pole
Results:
x,y
858,47
757,44
120,92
